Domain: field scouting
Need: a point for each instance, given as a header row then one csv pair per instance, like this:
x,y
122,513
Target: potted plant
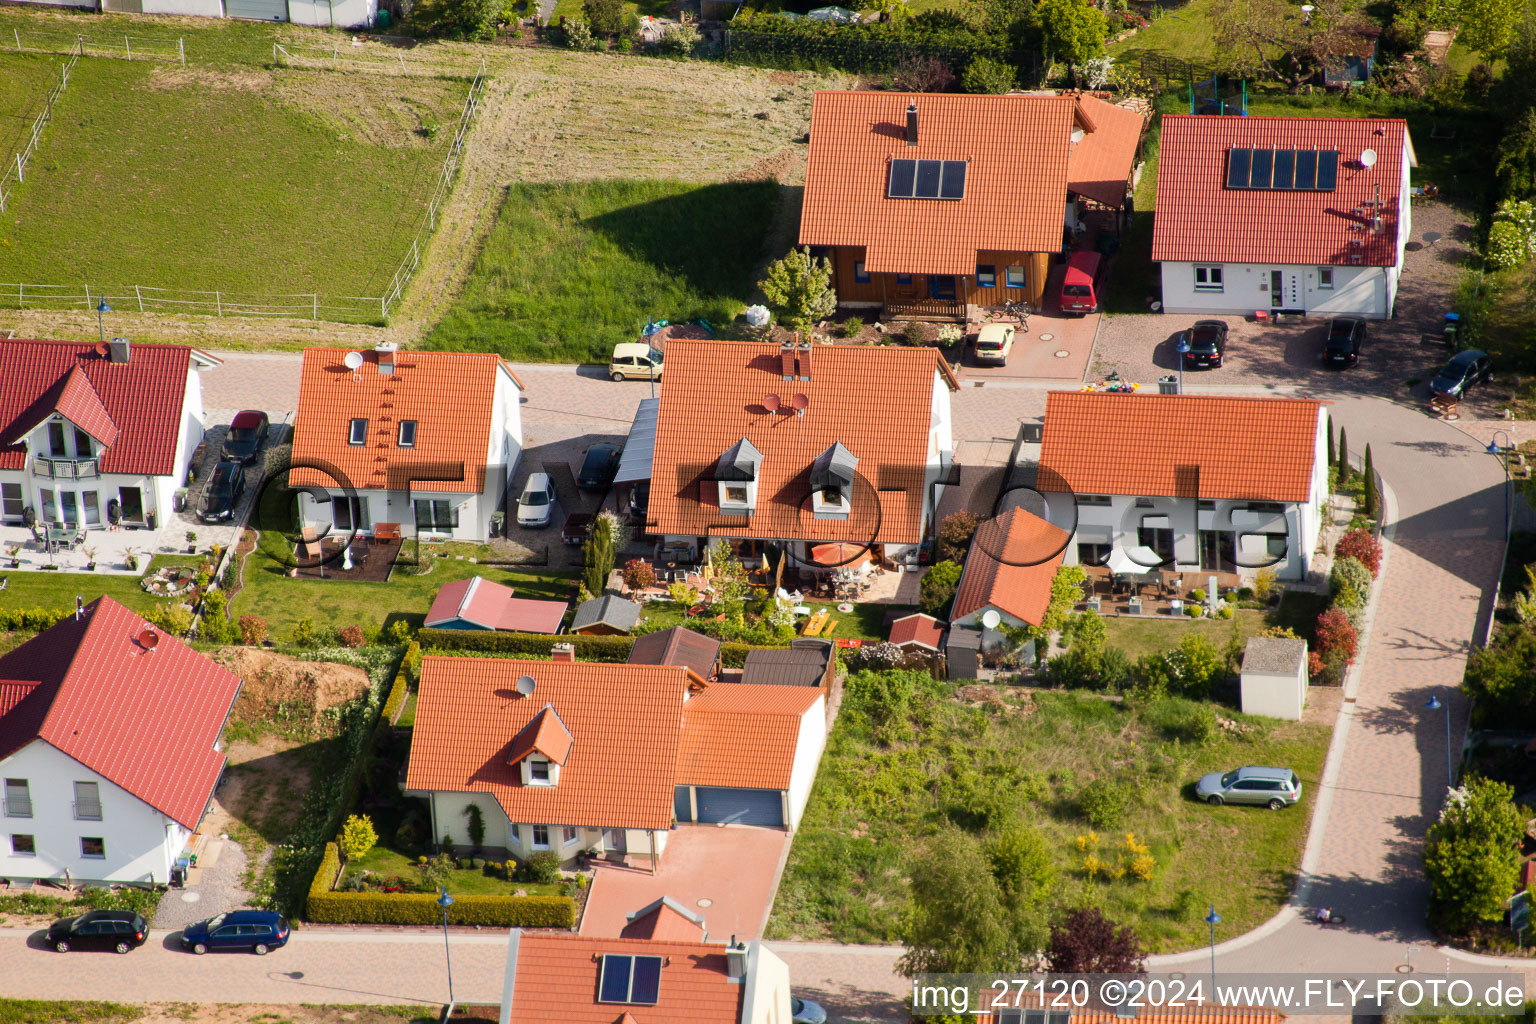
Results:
x,y
130,559
14,550
90,558
191,542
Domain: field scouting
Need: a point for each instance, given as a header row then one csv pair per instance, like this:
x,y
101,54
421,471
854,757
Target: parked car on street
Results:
x,y
537,501
634,360
993,343
1461,371
222,495
599,466
121,931
1345,336
247,433
1207,343
1271,787
803,1011
259,931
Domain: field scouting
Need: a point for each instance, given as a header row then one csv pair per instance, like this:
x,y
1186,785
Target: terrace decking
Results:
x,y
1115,593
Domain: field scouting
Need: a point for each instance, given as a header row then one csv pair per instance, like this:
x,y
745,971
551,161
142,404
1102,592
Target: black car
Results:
x,y
256,930
120,930
1207,341
1345,336
1460,372
223,493
247,433
640,499
599,467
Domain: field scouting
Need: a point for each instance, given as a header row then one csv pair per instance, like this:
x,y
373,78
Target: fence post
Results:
x,y
20,177
384,306
140,296
218,302
181,47
17,33
316,314
87,296
21,296
128,46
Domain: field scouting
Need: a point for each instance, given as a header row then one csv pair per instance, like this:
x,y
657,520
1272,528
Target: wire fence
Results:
x,y
355,56
16,170
96,45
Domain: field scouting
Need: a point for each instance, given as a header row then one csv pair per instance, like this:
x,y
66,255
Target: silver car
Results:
x,y
1272,787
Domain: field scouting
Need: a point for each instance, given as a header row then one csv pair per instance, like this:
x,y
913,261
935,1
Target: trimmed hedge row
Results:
x,y
537,645
31,620
767,39
420,908
398,690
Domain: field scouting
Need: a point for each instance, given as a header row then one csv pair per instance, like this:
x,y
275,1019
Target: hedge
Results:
x,y
398,691
537,645
420,908
767,39
31,620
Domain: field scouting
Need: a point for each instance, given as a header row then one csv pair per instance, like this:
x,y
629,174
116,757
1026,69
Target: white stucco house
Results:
x,y
584,756
799,447
420,443
1305,215
1186,482
97,434
109,748
319,13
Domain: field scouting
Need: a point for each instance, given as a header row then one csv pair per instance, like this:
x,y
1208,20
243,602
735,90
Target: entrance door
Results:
x,y
92,506
1276,289
132,502
941,287
615,840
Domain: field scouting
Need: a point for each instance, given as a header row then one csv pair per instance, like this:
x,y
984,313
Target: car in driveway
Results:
x,y
222,495
599,466
1207,341
121,931
259,931
1341,347
1464,369
577,528
993,343
1268,787
803,1011
247,433
537,501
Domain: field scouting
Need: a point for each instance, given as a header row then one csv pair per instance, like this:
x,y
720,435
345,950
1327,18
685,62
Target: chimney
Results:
x,y
787,360
912,124
79,607
805,358
386,354
563,652
119,350
735,961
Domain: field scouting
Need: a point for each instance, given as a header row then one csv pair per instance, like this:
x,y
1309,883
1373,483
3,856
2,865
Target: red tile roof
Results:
x,y
99,694
742,734
546,735
1255,449
1170,1015
665,920
878,401
448,394
1012,561
1100,165
919,630
491,606
557,980
1015,189
623,719
1200,219
133,408
12,691
677,645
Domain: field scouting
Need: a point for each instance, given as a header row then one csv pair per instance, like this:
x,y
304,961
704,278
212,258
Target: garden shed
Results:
x,y
1274,677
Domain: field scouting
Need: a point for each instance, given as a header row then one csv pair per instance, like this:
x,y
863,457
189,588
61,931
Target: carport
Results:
x,y
635,463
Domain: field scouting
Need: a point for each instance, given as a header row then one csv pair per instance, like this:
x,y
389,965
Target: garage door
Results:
x,y
261,10
741,806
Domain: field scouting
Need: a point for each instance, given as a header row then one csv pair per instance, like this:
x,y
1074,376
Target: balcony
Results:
x,y
87,810
64,469
18,807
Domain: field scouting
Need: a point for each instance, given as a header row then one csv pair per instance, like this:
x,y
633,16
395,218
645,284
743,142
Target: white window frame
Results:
x,y
568,835
1209,277
533,837
534,764
357,431
400,439
1325,279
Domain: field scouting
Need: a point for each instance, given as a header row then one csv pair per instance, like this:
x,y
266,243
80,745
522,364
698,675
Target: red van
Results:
x,y
1079,289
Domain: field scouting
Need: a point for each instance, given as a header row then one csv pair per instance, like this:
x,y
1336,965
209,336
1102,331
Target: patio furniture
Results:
x,y
1133,606
1094,604
60,535
385,532
1176,606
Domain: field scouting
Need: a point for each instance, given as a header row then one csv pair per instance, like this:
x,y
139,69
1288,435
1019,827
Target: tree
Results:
x,y
1066,591
921,74
476,827
1193,665
357,837
955,533
638,574
987,76
469,19
1021,863
1343,457
1471,855
1487,26
959,920
1332,455
597,559
799,286
938,587
605,17
1072,30
1499,680
1276,39
1372,500
1517,86
1084,941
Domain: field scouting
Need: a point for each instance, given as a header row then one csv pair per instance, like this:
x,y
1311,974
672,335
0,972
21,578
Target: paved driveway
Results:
x,y
729,874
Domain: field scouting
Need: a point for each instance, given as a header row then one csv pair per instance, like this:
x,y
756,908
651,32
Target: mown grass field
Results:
x,y
253,181
570,270
79,1011
986,770
23,88
1187,33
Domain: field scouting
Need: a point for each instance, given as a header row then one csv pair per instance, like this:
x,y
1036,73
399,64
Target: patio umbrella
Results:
x,y
836,15
840,554
1120,563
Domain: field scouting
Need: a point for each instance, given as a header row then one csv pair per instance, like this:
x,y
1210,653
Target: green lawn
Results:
x,y
983,770
258,182
571,269
66,1011
32,589
1138,636
461,882
23,88
1187,32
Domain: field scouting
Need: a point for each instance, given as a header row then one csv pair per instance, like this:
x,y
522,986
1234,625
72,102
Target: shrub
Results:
x,y
1086,942
476,826
1193,666
1361,545
1194,611
357,837
1348,572
1336,635
1182,720
955,534
327,907
1226,611
175,619
638,574
1264,584
1198,594
606,16
434,871
938,587
680,39
305,633
399,632
352,636
578,36
399,688
914,333
923,74
214,627
253,630
543,867
852,326
1104,803
799,287
1470,855
985,75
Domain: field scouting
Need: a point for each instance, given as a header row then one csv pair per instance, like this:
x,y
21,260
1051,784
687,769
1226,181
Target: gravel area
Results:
x,y
221,867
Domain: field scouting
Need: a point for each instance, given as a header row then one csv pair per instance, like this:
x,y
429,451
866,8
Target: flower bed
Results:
x,y
171,581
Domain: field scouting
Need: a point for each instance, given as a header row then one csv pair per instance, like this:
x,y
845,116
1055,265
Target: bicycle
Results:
x,y
1016,310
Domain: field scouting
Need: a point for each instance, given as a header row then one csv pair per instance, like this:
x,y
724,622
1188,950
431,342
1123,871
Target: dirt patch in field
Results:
x,y
202,78
381,111
287,689
281,1013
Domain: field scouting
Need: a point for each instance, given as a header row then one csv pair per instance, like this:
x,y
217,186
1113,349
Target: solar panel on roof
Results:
x,y
903,173
928,175
1237,168
953,185
614,986
1306,168
1327,170
926,179
646,985
1285,168
1263,160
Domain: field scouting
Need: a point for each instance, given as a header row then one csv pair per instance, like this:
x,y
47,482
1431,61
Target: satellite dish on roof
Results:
x,y
148,638
990,618
354,360
1077,134
1368,158
771,403
525,685
801,402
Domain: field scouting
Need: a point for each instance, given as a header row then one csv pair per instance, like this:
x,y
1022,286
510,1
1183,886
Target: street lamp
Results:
x,y
1183,350
1435,704
445,901
1213,919
101,310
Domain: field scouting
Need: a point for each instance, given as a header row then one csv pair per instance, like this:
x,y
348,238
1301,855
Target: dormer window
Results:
x,y
538,771
407,437
541,748
357,432
832,482
736,478
735,494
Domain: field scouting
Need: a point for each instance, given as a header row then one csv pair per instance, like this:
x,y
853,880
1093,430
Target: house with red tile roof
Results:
x,y
579,980
927,204
109,748
1305,215
793,447
95,434
1189,483
587,756
1008,572
478,603
1183,1014
426,442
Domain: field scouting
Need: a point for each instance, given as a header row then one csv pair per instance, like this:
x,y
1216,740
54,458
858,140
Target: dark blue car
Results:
x,y
256,930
